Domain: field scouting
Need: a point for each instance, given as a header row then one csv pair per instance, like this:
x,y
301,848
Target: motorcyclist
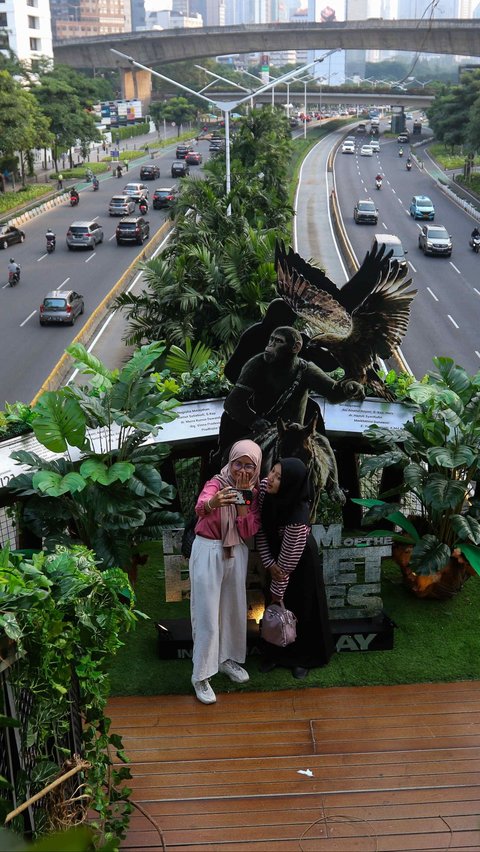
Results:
x,y
95,182
50,236
13,269
379,177
88,175
119,171
475,234
143,205
400,152
74,194
408,163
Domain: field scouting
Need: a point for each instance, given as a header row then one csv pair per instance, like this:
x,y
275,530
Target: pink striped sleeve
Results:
x,y
293,545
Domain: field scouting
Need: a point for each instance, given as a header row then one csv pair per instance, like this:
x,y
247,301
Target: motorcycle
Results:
x,y
50,245
378,183
143,208
95,184
14,278
74,199
475,244
408,165
88,175
400,152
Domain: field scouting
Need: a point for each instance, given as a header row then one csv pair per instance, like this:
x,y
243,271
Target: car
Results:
x,y
149,173
10,235
121,205
348,147
84,234
215,147
409,116
403,137
366,151
193,158
136,191
375,145
180,168
164,196
61,306
422,208
435,239
365,211
132,229
392,243
182,151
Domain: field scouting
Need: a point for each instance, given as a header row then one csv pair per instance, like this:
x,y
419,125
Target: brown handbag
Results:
x,y
278,625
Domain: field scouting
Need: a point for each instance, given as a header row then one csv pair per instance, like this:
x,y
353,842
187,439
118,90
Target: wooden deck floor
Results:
x,y
395,769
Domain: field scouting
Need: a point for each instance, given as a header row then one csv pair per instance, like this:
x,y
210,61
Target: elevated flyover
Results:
x,y
457,37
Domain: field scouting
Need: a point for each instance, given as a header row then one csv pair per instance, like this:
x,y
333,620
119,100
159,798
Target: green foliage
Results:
x,y
438,451
109,494
178,110
454,114
16,419
68,619
11,200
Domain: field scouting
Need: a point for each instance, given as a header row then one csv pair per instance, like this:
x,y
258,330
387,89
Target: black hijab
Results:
x,y
290,505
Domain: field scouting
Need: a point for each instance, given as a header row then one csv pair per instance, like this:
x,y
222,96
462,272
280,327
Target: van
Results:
x,y
392,243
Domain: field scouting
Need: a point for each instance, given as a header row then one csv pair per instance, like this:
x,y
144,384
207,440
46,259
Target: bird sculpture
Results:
x,y
364,320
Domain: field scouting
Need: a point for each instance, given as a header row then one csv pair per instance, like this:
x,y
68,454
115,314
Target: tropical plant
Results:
x,y
438,452
67,618
106,489
199,373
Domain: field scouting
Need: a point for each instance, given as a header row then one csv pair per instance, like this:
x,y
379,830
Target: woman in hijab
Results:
x,y
218,569
289,552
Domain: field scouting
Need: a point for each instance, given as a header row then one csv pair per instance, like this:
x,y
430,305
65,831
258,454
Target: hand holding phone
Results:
x,y
243,497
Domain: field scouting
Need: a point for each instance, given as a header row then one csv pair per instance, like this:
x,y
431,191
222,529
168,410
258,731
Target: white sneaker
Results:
x,y
204,691
234,671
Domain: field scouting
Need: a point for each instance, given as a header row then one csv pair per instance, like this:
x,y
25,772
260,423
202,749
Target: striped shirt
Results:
x,y
293,538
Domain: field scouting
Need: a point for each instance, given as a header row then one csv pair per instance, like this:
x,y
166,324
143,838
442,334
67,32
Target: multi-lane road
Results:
x,y
29,351
444,319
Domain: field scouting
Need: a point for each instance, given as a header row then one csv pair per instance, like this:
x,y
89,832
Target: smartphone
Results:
x,y
244,497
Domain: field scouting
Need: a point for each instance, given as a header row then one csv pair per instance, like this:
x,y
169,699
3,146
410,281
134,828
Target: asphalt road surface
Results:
x,y
31,351
444,319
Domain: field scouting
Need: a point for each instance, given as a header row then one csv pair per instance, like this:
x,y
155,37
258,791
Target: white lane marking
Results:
x,y
476,291
111,238
399,199
455,267
29,317
477,353
64,282
413,268
393,191
452,321
5,285
432,294
89,258
41,258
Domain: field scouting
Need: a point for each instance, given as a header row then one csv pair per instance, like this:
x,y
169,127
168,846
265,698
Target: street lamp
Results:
x,y
226,107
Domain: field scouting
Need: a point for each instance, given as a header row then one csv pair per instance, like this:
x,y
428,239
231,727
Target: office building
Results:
x,y
82,18
26,29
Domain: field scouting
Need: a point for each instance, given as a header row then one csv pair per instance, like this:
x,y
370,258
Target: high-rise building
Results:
x,y
137,14
26,27
81,18
332,70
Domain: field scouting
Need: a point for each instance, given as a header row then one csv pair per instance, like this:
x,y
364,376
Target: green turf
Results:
x,y
434,641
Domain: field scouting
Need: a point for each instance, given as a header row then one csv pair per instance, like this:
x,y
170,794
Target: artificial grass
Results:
x,y
434,641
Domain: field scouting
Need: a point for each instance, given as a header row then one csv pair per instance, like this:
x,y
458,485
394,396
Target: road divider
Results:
x,y
65,366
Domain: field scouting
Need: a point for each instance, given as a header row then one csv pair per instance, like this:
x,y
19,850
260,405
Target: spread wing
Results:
x,y
291,261
320,310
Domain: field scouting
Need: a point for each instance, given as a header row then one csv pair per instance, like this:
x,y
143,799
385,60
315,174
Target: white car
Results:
x,y
136,191
348,148
366,151
375,145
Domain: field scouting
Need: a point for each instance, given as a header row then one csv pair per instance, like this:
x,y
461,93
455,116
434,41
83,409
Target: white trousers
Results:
x,y
218,605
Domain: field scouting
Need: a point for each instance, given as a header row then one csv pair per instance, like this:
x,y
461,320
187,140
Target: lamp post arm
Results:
x,y
224,79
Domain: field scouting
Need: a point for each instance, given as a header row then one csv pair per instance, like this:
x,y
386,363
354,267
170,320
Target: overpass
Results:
x,y
382,100
457,37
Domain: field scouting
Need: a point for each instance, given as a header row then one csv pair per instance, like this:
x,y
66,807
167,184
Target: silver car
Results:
x,y
84,235
61,306
121,205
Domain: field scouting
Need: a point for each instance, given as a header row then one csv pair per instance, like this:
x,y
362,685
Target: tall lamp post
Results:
x,y
225,106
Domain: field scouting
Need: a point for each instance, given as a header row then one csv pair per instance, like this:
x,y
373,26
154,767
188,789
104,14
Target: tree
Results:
x,y
22,124
452,111
178,110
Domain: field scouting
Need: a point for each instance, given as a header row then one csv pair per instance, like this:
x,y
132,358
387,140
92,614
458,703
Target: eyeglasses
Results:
x,y
239,465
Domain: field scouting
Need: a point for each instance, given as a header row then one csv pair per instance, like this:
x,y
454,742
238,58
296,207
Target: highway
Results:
x,y
30,351
444,320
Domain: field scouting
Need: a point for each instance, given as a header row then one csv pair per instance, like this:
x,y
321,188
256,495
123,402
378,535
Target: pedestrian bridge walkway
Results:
x,y
374,769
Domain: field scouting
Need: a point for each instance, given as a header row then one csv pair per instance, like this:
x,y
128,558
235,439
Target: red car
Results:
x,y
193,158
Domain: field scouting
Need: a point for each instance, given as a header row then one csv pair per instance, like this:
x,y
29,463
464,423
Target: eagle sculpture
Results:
x,y
364,320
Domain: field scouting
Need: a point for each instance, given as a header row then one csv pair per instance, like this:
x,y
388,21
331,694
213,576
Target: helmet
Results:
x,y
12,260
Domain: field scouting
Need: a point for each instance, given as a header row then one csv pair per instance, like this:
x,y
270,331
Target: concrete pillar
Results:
x,y
136,84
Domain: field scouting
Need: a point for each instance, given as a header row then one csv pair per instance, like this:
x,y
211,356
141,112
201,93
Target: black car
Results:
x,y
132,229
180,168
10,235
149,173
164,197
182,151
